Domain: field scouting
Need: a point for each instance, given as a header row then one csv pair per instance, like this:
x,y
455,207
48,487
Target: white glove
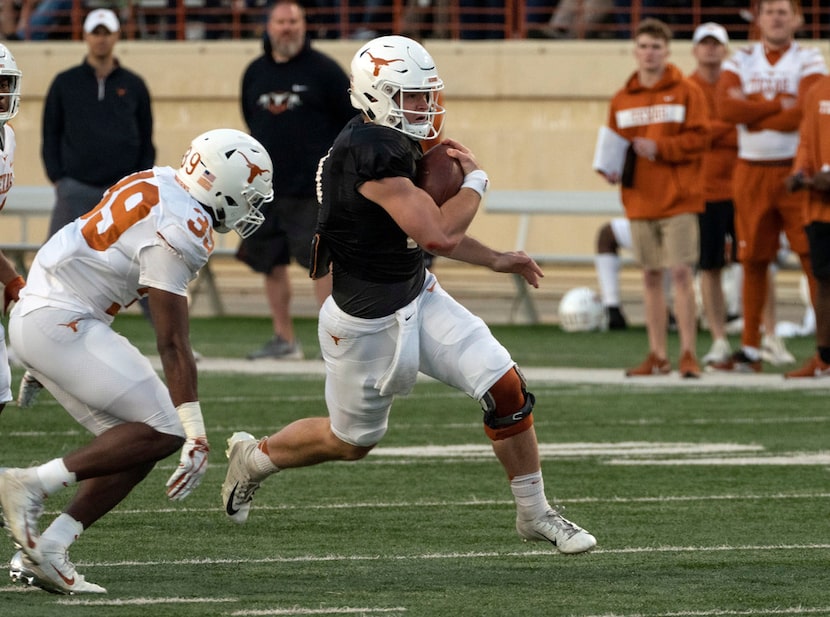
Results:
x,y
191,469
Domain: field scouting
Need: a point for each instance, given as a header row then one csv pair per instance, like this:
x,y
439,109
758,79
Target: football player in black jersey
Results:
x,y
388,318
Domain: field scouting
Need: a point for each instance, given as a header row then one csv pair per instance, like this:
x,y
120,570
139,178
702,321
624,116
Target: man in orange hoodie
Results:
x,y
812,170
664,116
760,90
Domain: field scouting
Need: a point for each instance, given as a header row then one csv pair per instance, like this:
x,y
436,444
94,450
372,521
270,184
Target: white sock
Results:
x,y
262,462
752,353
54,476
529,492
608,277
64,530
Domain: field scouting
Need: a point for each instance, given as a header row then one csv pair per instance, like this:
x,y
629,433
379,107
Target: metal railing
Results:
x,y
423,19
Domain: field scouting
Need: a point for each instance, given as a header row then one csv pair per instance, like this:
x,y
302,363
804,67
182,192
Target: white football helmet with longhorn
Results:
x,y
383,71
230,173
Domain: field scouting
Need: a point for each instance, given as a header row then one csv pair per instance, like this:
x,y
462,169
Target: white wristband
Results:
x,y
191,416
476,180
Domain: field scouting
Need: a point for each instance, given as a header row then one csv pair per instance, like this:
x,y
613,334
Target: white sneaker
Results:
x,y
774,351
30,388
239,486
21,499
56,574
719,352
566,536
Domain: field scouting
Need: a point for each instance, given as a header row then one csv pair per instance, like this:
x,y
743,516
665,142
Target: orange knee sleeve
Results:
x,y
507,407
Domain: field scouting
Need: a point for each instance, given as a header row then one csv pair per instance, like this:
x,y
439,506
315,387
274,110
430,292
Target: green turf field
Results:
x,y
704,501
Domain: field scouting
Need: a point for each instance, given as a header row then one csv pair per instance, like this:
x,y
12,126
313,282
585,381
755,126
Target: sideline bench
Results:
x,y
33,204
529,203
26,204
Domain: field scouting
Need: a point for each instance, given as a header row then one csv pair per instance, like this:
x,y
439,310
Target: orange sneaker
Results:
x,y
813,368
689,368
652,365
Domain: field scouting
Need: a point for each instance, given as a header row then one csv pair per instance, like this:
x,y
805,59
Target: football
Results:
x,y
439,174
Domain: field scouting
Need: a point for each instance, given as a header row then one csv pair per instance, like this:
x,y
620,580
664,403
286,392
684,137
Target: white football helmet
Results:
x,y
386,68
9,71
581,310
229,172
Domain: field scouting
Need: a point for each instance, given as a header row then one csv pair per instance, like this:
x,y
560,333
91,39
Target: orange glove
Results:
x,y
12,292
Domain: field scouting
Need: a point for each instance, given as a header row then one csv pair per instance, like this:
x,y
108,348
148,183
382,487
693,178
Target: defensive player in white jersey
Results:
x,y
149,235
760,90
11,280
388,317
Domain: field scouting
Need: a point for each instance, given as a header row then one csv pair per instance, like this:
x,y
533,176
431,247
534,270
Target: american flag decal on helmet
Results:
x,y
206,180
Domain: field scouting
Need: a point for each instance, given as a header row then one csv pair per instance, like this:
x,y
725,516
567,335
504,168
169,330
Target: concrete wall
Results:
x,y
529,110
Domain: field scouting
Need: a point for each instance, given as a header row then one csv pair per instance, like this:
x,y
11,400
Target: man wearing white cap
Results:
x,y
710,47
97,128
89,142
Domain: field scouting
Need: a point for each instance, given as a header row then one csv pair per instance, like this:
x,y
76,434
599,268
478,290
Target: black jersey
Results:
x,y
376,267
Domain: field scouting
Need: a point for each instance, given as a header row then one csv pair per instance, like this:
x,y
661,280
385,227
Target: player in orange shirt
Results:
x,y
760,90
812,169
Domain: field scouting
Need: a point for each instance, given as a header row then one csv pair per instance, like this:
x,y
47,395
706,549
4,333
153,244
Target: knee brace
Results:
x,y
507,406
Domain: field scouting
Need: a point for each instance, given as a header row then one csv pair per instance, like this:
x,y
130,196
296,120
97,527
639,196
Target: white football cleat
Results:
x,y
30,388
239,486
21,499
774,351
56,574
566,536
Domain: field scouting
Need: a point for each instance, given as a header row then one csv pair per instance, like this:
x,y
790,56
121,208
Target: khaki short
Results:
x,y
667,242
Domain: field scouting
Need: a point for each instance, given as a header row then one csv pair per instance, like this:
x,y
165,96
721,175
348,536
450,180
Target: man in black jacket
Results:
x,y
295,100
97,124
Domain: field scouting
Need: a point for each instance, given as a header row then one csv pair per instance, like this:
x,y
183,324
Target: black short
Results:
x,y
717,227
818,235
289,225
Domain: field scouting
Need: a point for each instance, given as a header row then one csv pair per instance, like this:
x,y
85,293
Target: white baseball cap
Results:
x,y
710,29
101,17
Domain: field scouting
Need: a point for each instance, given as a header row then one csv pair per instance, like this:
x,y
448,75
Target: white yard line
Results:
x,y
538,374
758,612
546,553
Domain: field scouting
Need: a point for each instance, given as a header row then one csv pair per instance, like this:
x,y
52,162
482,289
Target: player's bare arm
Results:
x,y
437,230
170,321
471,251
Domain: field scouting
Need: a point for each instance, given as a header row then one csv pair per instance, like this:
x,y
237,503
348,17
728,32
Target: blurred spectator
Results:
x,y
14,16
760,89
90,139
664,117
294,101
811,169
718,247
46,16
573,19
